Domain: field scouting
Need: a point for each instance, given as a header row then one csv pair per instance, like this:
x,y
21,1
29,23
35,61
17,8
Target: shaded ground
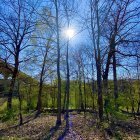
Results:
x,y
88,128
84,128
34,129
81,128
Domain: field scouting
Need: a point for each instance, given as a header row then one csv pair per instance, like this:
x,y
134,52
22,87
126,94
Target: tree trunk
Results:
x,y
81,105
13,81
58,122
105,74
93,85
65,96
43,70
20,106
138,83
97,52
115,80
29,97
67,89
99,84
85,93
98,65
93,93
39,102
9,101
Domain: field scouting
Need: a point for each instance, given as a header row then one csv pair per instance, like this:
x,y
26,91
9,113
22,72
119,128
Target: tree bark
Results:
x,y
39,103
67,88
98,65
13,80
20,105
81,105
58,122
99,84
115,80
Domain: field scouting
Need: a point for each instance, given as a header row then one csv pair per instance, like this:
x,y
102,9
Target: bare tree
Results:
x,y
58,63
41,80
122,22
16,28
43,40
95,15
68,11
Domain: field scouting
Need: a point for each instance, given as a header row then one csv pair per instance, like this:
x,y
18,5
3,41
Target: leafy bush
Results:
x,y
5,114
8,115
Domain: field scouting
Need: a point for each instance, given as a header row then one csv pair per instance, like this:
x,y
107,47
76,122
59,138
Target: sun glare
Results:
x,y
69,33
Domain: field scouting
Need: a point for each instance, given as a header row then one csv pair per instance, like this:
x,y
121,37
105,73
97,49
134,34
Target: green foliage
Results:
x,y
5,114
113,111
49,99
106,125
8,115
119,115
118,136
3,107
32,104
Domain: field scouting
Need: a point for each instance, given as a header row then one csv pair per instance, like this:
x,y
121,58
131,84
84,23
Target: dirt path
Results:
x,y
72,135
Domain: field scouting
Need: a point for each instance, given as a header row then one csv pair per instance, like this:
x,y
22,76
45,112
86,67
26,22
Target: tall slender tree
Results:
x,y
58,64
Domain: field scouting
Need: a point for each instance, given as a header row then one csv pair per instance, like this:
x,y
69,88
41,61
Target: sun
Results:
x,y
69,33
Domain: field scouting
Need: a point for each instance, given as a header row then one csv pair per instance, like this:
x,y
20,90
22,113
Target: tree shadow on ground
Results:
x,y
56,128
128,127
52,132
14,126
27,119
64,133
119,127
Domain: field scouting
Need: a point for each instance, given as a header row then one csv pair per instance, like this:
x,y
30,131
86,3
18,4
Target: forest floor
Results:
x,y
82,127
